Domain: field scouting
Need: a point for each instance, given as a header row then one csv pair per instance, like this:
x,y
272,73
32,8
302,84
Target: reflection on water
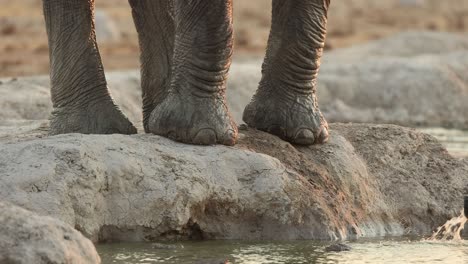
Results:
x,y
386,251
456,141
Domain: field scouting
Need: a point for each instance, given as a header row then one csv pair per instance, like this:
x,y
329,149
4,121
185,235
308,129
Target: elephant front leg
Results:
x,y
194,108
285,103
81,100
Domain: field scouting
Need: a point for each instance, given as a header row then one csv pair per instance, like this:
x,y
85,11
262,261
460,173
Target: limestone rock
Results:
x,y
411,79
28,238
28,98
337,248
370,180
420,91
402,45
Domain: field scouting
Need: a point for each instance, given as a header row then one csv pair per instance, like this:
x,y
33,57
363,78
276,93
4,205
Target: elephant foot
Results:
x,y
98,118
194,120
293,118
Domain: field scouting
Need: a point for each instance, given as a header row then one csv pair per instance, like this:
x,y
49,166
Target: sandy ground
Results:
x,y
23,44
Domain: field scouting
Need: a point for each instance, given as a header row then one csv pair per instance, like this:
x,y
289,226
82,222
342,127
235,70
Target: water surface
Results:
x,y
239,252
297,252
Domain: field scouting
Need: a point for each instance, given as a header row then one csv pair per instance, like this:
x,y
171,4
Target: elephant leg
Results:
x,y
194,109
81,100
154,21
285,103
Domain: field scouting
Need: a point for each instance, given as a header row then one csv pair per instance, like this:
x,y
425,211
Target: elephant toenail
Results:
x,y
230,138
304,137
323,136
206,136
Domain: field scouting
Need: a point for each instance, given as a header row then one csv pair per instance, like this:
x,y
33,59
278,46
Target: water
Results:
x,y
237,252
445,246
456,141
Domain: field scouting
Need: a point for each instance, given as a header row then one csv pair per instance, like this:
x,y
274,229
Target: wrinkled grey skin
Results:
x,y
186,48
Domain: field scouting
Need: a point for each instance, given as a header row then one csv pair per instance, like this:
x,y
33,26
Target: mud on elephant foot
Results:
x,y
293,118
97,118
194,120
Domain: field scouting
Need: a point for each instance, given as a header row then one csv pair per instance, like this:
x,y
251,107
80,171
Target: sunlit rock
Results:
x,y
368,181
411,79
337,248
28,238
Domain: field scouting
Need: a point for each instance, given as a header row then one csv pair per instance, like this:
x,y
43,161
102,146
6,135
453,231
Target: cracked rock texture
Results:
x,y
369,180
27,238
411,79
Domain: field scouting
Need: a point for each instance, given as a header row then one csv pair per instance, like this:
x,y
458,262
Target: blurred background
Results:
x,y
23,43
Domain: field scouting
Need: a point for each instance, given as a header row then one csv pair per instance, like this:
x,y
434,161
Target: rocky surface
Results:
x,y
28,98
28,238
338,248
411,79
370,180
403,45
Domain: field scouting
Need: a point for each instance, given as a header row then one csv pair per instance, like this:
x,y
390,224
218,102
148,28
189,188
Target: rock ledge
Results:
x,y
369,180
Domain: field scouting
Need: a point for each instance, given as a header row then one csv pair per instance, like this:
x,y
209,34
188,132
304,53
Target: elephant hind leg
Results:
x,y
154,21
81,100
285,103
194,109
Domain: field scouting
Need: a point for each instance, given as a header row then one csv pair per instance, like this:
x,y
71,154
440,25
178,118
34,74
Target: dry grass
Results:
x,y
23,44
